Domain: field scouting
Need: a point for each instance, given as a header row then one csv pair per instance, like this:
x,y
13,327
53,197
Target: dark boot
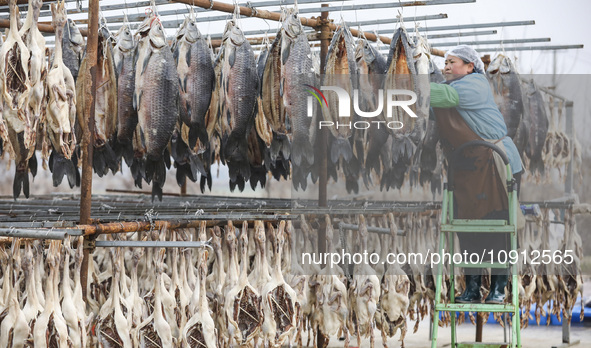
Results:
x,y
472,292
497,289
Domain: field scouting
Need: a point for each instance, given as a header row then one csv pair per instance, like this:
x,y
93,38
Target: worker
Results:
x,y
465,110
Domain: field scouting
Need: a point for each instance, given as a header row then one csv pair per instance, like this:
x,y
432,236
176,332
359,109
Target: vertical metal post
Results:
x,y
568,189
87,138
322,148
570,132
479,325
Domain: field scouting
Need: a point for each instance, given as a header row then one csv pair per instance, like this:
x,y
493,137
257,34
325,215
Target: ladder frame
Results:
x,y
449,226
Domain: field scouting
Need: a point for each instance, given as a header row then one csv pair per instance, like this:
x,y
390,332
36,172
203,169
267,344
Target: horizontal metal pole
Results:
x,y
32,233
383,5
372,229
530,48
44,224
477,26
351,24
148,244
493,42
461,34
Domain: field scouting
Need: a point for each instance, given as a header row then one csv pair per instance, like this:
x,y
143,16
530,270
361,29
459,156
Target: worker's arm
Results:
x,y
444,96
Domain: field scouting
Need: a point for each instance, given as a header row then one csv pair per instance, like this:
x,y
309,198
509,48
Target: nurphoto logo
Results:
x,y
392,97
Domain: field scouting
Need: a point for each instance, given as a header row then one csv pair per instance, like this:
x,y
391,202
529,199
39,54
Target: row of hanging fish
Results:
x,y
534,120
251,113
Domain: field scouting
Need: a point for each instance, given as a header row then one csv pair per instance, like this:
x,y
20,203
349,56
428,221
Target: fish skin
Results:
x,y
272,105
240,83
535,112
340,60
127,119
196,76
508,96
106,109
297,71
158,105
372,67
72,47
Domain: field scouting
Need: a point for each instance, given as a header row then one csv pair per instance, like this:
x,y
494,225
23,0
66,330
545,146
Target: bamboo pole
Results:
x,y
88,127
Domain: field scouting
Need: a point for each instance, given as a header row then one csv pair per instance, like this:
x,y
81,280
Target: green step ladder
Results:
x,y
449,226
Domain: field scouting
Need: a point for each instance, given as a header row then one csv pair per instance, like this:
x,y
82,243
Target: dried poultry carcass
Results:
x,y
547,280
61,108
507,93
242,302
570,281
364,292
32,307
239,86
157,100
105,111
114,322
14,328
136,305
123,59
394,300
535,110
37,103
155,331
280,307
341,71
16,119
200,330
51,329
260,275
216,284
297,278
72,47
73,307
331,311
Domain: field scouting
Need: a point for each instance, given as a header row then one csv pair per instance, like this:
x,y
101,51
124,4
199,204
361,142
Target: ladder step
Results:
x,y
484,265
477,229
474,307
479,222
483,345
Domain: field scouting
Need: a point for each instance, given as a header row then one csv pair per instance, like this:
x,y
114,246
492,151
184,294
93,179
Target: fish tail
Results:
x,y
137,169
156,171
61,166
258,175
21,182
156,191
236,157
280,146
205,180
341,147
103,159
238,182
302,150
278,170
197,132
123,150
299,178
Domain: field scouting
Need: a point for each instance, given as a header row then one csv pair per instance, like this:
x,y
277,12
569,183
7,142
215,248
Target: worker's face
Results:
x,y
455,67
